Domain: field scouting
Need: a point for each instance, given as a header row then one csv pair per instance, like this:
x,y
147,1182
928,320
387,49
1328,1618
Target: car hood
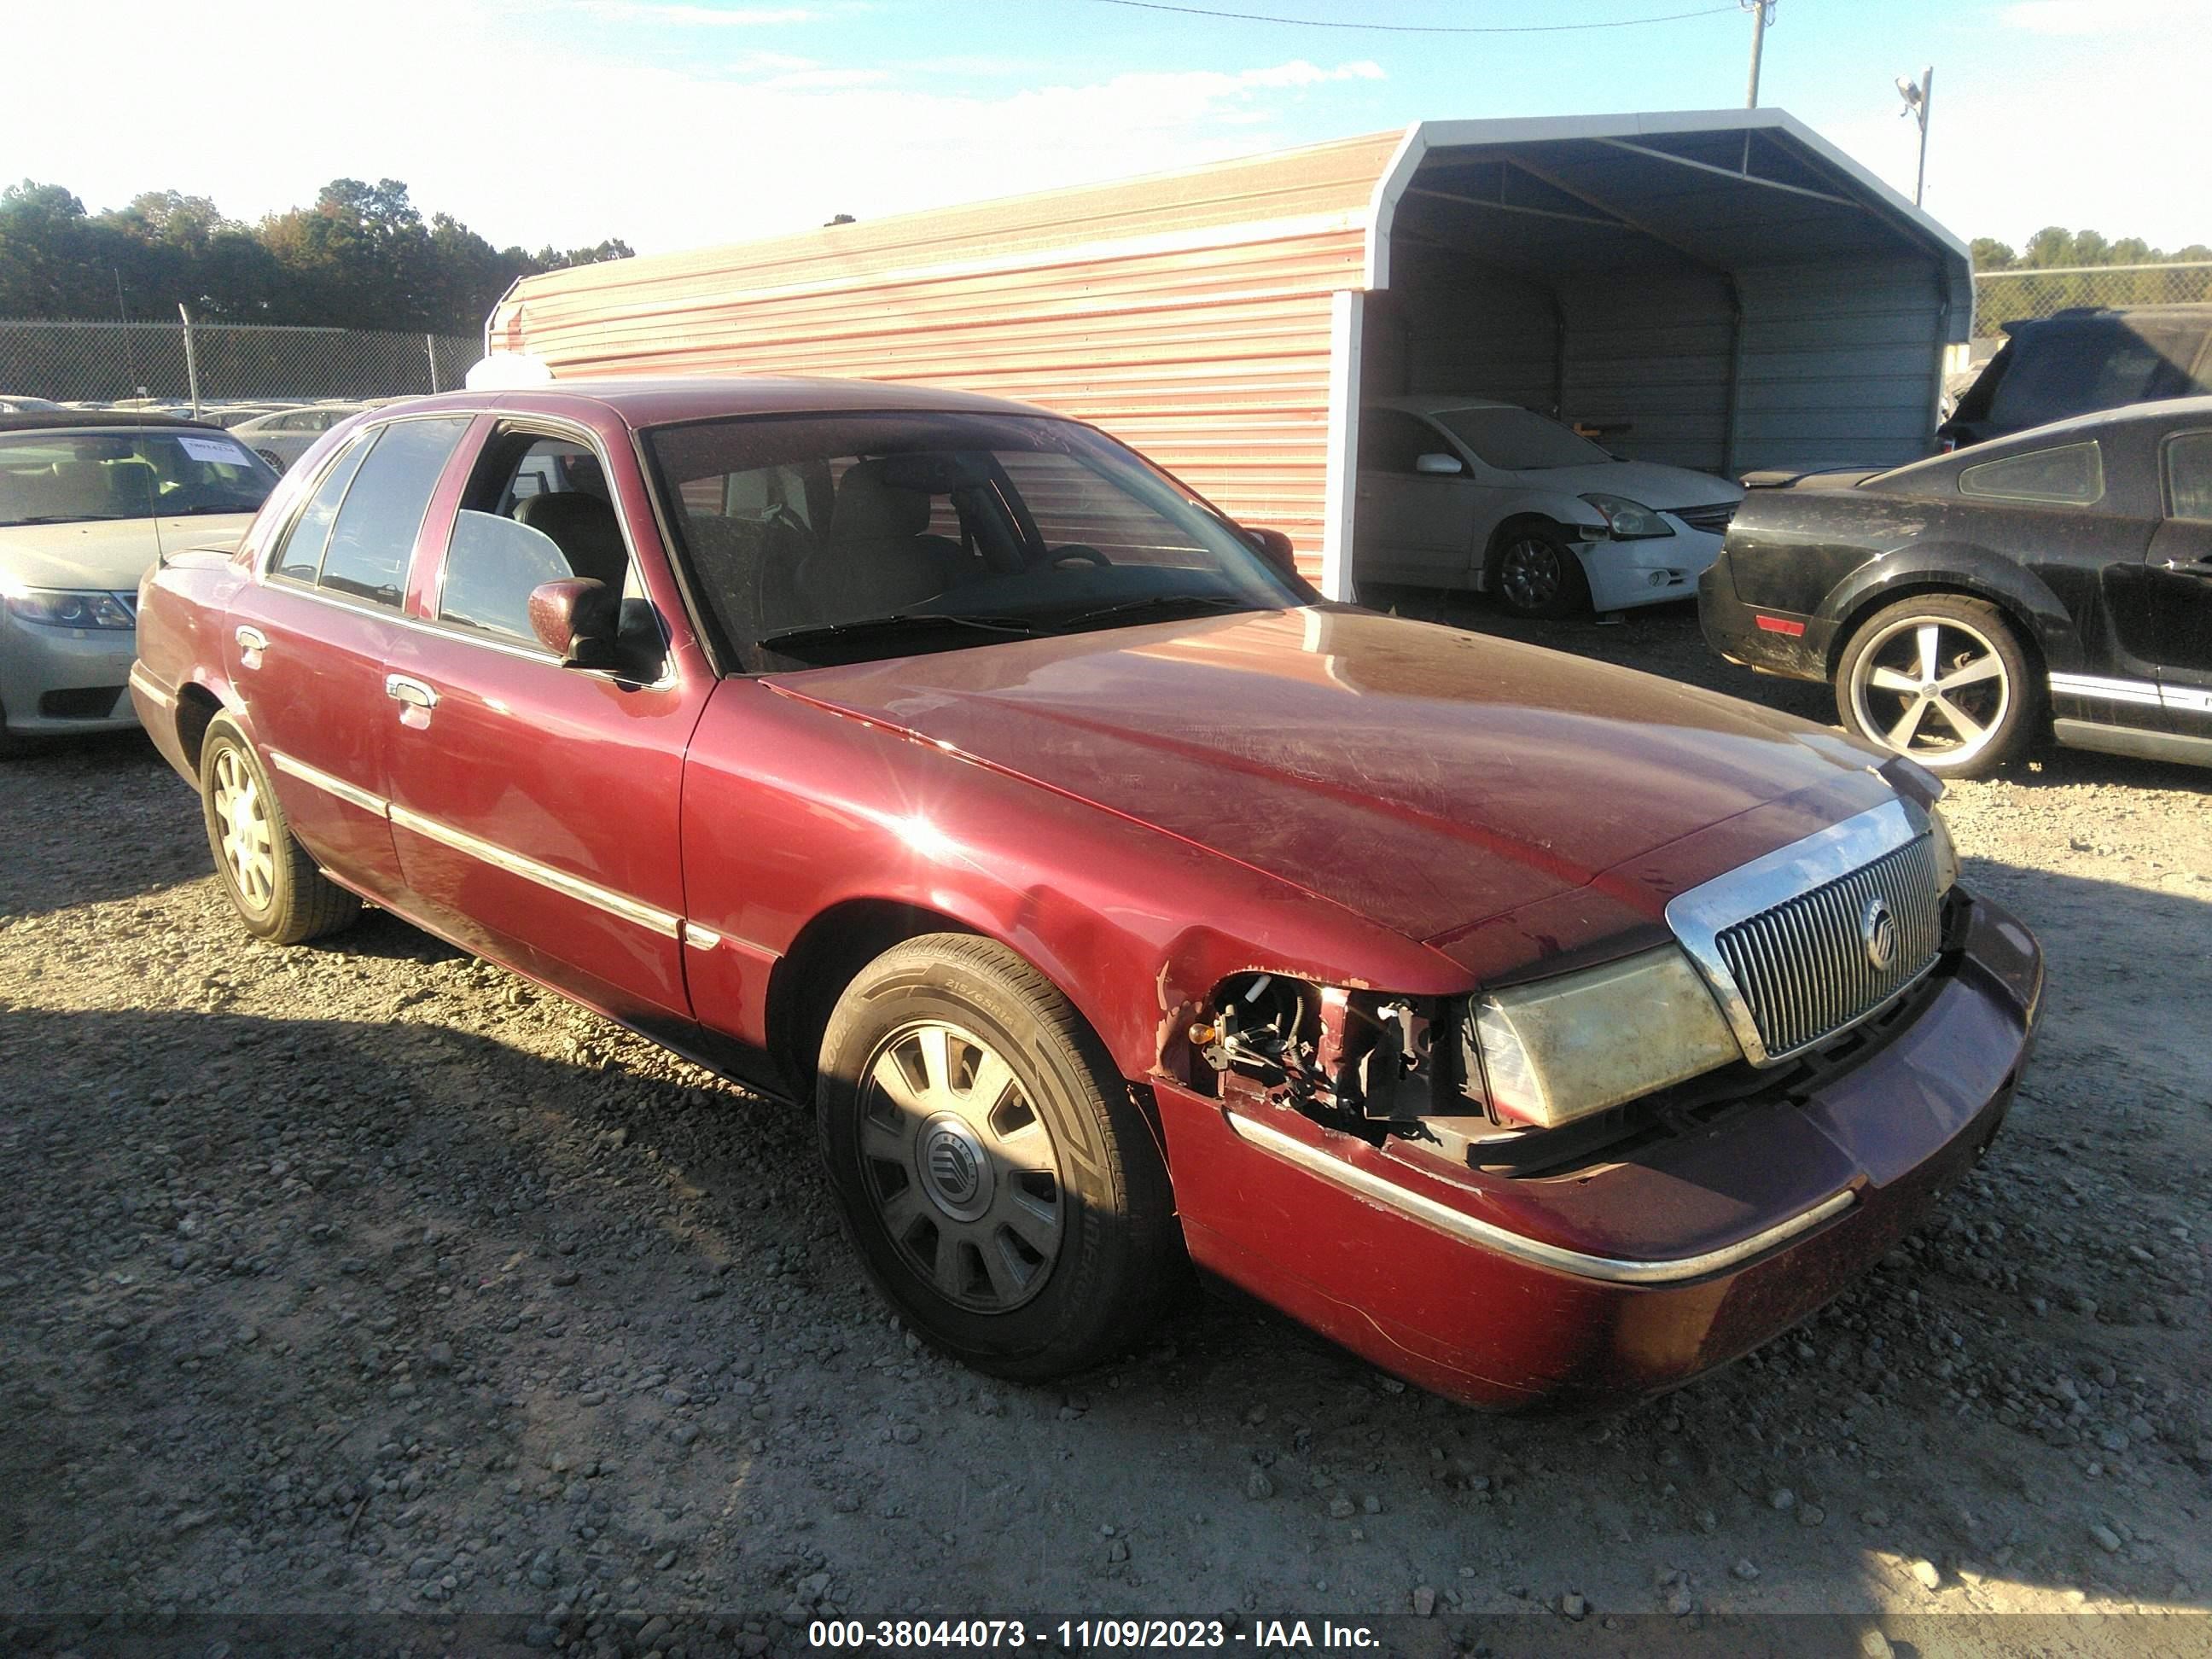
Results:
x,y
107,553
1423,777
1665,487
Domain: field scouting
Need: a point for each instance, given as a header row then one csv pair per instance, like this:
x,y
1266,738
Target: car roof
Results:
x,y
96,420
1437,403
2161,409
669,400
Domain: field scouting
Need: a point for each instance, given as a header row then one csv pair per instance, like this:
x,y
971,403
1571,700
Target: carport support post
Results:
x,y
192,360
1346,311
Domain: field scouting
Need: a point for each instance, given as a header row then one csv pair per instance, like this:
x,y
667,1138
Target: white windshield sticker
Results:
x,y
220,450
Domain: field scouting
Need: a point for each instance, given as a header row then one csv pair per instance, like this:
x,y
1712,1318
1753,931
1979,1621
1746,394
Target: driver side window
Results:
x,y
1391,440
538,509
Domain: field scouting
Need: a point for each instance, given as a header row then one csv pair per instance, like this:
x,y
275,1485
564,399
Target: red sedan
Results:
x,y
1541,1031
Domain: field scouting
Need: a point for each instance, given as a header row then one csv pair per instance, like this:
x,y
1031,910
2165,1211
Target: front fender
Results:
x,y
1956,567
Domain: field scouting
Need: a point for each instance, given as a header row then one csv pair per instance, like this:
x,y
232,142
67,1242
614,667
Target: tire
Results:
x,y
1535,572
268,876
1000,1187
1942,678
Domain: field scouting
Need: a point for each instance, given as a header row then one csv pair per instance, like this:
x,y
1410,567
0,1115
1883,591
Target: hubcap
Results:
x,y
1933,688
960,1167
241,818
1529,573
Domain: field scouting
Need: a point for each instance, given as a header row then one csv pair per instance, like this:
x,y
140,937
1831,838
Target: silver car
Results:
x,y
282,435
87,504
1470,493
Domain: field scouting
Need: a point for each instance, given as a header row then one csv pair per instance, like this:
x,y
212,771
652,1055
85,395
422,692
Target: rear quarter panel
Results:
x,y
1829,557
183,605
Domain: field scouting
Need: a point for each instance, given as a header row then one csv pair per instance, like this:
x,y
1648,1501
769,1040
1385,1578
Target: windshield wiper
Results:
x,y
1158,602
902,622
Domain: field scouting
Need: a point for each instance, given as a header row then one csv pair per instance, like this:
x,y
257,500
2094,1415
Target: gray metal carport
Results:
x,y
1720,290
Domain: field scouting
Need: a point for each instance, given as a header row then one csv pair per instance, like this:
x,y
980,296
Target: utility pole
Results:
x,y
1762,13
1918,95
191,359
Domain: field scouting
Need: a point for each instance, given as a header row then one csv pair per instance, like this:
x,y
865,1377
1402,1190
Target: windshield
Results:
x,y
844,539
1515,440
72,477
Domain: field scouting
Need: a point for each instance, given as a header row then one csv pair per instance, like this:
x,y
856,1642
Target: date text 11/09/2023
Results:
x,y
1085,1635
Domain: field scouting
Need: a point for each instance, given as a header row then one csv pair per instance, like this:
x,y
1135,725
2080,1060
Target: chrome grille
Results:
x,y
1713,521
1804,969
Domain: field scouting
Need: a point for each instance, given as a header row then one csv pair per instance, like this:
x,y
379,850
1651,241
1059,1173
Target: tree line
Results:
x,y
361,256
2079,266
2055,247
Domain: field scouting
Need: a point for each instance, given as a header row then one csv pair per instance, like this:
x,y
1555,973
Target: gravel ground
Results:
x,y
365,1276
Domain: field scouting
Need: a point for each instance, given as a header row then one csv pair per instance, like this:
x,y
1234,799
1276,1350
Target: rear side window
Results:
x,y
2072,474
374,533
301,556
2189,476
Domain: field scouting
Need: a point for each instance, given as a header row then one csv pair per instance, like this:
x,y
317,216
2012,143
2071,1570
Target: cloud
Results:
x,y
716,145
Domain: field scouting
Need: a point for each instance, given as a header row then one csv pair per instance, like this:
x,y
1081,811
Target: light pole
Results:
x,y
1762,13
1917,95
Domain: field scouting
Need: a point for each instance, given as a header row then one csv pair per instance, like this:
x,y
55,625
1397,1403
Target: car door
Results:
x,y
2079,515
2181,567
1410,526
535,805
306,643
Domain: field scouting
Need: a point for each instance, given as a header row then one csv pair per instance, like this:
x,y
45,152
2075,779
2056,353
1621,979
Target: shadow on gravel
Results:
x,y
431,1265
99,819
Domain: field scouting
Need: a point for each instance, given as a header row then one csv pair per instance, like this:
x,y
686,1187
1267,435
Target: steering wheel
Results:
x,y
1077,553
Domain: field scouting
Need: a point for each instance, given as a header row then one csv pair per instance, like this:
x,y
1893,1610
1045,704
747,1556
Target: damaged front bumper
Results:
x,y
1635,1270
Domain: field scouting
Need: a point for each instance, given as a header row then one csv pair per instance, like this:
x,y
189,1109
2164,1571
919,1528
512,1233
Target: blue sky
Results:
x,y
678,125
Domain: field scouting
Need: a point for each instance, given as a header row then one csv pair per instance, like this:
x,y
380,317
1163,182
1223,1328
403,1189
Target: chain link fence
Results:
x,y
231,363
2011,296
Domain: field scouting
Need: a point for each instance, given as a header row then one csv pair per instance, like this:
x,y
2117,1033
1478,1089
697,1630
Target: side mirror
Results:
x,y
577,620
1274,547
1440,465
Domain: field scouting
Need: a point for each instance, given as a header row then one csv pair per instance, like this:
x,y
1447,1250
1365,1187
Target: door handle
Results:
x,y
252,641
402,689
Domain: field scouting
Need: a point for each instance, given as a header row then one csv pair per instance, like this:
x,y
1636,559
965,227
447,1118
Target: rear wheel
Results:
x,y
1535,572
999,1185
1942,678
271,881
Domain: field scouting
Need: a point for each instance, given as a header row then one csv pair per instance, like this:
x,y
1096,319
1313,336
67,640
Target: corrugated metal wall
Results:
x,y
1651,351
1188,316
1838,363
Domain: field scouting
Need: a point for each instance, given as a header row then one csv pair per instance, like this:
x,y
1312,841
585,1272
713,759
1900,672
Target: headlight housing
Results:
x,y
1531,1056
1557,1049
55,607
1629,521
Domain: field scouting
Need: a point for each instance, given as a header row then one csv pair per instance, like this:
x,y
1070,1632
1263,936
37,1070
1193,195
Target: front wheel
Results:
x,y
271,880
1942,678
999,1185
1535,572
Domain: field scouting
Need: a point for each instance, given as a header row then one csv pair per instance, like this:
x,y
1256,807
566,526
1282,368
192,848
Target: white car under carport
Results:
x,y
1473,492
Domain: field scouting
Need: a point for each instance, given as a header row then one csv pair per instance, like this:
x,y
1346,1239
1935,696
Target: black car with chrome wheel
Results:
x,y
2054,582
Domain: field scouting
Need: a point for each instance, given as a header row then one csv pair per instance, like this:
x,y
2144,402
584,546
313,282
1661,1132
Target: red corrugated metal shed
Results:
x,y
1727,286
1188,314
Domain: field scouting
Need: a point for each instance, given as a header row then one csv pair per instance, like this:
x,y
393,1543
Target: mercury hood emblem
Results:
x,y
1878,932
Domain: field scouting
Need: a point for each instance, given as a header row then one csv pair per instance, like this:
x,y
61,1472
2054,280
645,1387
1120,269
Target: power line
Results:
x,y
1417,28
